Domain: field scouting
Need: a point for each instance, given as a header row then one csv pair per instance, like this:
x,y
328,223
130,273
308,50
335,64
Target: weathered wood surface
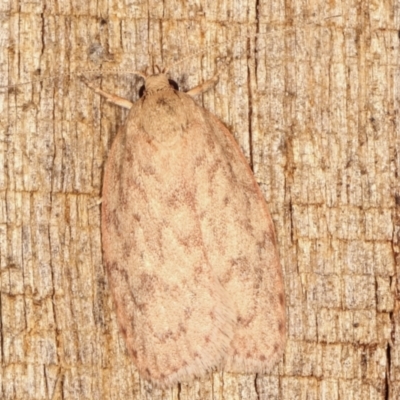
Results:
x,y
316,111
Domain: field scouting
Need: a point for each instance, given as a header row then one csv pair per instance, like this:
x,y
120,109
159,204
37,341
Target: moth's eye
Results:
x,y
173,84
141,91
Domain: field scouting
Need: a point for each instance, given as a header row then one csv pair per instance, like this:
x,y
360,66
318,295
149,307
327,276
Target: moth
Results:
x,y
188,242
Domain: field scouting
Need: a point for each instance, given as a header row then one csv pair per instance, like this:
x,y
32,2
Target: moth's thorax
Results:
x,y
162,112
154,83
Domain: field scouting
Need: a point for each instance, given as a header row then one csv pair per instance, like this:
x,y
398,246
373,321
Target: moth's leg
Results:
x,y
204,86
112,98
95,203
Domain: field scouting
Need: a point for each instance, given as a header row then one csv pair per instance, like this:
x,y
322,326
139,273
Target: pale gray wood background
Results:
x,y
315,110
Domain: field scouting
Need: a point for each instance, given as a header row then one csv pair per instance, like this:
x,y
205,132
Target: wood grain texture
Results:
x,y
315,112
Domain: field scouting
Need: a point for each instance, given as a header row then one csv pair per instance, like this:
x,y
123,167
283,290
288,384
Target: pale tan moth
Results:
x,y
188,242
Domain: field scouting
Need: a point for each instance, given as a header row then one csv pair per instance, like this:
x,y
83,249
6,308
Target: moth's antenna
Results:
x,y
77,73
144,75
48,78
165,70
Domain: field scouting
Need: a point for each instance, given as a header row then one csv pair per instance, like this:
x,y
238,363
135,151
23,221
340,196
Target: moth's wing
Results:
x,y
173,312
240,241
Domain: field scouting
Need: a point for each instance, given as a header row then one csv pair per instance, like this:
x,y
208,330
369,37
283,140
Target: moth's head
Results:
x,y
156,80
